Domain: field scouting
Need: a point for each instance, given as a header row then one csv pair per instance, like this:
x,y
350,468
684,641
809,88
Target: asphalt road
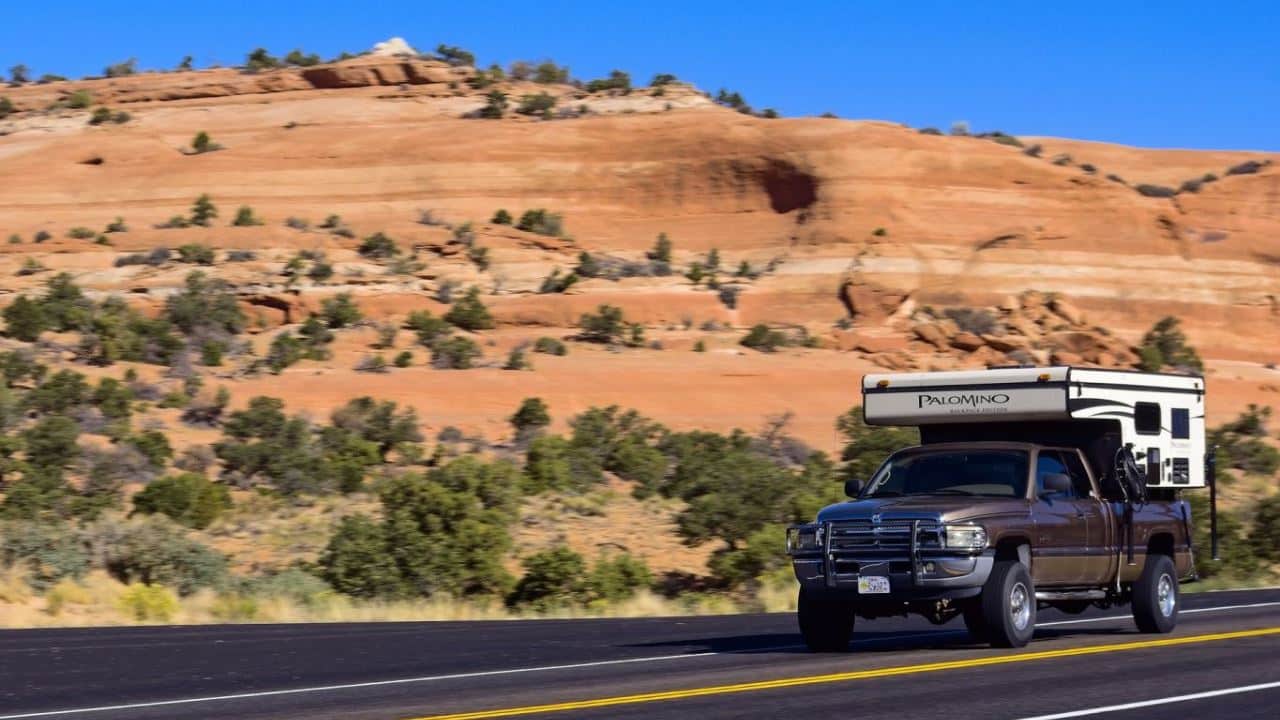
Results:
x,y
1222,662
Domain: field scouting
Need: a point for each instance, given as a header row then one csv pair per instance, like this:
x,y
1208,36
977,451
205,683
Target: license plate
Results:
x,y
873,585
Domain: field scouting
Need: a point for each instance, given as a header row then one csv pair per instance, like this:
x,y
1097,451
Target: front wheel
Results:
x,y
826,622
1155,596
1009,605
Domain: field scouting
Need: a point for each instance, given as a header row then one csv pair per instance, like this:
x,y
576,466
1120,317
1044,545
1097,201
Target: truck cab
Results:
x,y
1022,494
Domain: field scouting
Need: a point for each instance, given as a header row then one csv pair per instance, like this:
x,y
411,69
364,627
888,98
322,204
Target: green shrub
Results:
x,y
205,306
617,80
79,100
455,55
1155,191
661,251
761,338
605,326
45,552
531,417
122,69
454,353
203,211
539,104
260,59
552,579
378,247
549,73
550,346
428,327
188,499
153,445
617,577
501,217
340,311
202,143
100,116
155,551
80,233
495,105
541,222
197,254
25,319
469,313
297,58
6,107
1165,345
403,360
245,217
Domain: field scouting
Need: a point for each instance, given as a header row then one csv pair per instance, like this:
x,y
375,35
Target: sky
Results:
x,y
1169,74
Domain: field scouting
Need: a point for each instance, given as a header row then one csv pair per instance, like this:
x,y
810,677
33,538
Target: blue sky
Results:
x,y
1172,74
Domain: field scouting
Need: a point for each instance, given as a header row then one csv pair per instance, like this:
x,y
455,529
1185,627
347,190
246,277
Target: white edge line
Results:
x,y
1158,701
541,668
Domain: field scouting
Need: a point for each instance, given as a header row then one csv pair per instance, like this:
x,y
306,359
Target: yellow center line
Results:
x,y
853,675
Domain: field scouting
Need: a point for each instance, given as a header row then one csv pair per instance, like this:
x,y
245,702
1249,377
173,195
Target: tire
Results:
x,y
826,623
974,621
1009,605
1155,596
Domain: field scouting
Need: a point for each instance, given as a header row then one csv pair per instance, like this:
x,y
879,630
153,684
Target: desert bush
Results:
x,y
1249,167
495,105
557,283
617,80
1237,556
148,603
122,69
298,58
517,359
340,311
378,247
1116,178
79,100
245,217
6,107
80,233
501,217
1155,191
374,363
479,256
539,104
661,251
297,223
1241,442
202,143
1033,150
41,236
197,254
428,327
606,325
1190,186
617,577
241,255
259,59
469,313
203,211
550,346
205,306
155,551
454,353
45,553
153,445
929,131
729,295
541,222
1265,535
403,360
531,418
1165,345
174,223
188,499
30,266
762,338
552,579
978,321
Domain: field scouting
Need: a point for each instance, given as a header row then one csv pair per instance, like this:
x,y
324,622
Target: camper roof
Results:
x,y
1008,394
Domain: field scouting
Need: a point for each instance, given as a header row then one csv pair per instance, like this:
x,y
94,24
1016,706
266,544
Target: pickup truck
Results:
x,y
990,532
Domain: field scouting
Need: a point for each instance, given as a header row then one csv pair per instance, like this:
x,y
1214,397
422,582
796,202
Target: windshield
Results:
x,y
996,473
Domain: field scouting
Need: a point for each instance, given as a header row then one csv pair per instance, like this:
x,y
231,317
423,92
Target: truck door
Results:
x,y
1062,518
1096,565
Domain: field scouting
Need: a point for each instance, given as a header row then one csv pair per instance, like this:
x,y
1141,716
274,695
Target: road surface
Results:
x,y
1222,662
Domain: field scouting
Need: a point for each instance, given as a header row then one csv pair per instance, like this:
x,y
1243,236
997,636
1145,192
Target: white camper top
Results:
x,y
1161,415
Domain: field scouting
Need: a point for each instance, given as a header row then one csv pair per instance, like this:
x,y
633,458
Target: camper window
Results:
x,y
1146,418
1180,420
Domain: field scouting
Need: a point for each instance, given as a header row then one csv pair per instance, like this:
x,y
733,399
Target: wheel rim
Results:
x,y
1166,595
1020,606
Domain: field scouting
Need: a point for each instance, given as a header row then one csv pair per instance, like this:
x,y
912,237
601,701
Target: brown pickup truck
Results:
x,y
990,532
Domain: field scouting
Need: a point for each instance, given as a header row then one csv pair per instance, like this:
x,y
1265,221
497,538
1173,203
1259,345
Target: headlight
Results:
x,y
965,537
804,538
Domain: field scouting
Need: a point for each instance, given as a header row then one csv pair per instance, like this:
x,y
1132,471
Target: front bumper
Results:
x,y
915,572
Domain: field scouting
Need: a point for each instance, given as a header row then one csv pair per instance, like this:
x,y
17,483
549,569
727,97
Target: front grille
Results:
x,y
863,535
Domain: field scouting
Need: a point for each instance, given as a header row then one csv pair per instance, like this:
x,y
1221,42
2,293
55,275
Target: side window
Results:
x,y
1079,476
1180,423
1146,418
1050,463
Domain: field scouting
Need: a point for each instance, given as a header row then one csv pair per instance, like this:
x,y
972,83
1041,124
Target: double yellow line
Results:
x,y
853,675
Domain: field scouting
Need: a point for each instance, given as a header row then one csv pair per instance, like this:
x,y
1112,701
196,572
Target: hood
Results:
x,y
924,507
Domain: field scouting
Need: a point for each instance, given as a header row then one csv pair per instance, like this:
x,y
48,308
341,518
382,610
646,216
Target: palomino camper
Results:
x,y
1160,417
1031,487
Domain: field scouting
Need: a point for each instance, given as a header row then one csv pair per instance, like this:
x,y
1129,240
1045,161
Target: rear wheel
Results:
x,y
826,622
1155,596
1009,605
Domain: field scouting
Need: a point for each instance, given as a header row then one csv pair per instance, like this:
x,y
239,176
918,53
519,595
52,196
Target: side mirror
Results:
x,y
1055,483
852,488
